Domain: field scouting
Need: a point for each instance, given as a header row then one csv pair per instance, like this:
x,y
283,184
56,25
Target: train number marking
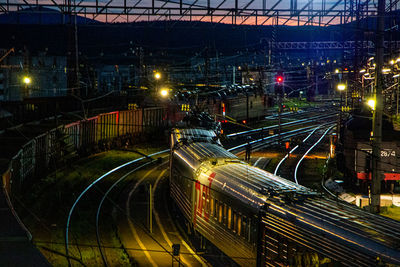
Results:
x,y
203,198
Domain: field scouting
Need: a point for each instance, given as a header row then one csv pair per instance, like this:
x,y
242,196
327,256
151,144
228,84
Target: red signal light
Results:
x,y
287,145
279,79
244,121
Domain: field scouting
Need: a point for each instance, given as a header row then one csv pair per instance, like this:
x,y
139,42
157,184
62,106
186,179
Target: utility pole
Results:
x,y
377,114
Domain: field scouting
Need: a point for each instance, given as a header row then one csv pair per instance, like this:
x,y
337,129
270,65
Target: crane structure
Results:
x,y
6,54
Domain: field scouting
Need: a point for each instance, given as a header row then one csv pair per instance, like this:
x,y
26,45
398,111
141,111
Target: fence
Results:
x,y
44,151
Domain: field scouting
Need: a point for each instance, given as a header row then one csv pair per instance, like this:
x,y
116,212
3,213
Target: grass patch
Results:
x,y
392,212
295,102
310,172
272,164
45,205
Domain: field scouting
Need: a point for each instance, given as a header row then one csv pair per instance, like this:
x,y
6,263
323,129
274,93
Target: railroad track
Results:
x,y
289,165
137,227
260,136
91,194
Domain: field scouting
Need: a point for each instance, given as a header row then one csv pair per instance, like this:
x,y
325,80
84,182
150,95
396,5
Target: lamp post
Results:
x,y
164,92
377,114
341,87
157,77
26,81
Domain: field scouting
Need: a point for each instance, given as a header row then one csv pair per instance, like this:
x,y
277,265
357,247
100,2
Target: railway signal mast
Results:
x,y
279,93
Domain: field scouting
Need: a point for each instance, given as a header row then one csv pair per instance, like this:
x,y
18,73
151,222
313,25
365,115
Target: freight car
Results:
x,y
357,154
259,219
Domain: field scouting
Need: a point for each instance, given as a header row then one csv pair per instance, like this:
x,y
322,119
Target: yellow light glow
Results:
x,y
337,71
157,75
371,103
164,92
398,59
27,80
391,62
386,70
362,71
341,86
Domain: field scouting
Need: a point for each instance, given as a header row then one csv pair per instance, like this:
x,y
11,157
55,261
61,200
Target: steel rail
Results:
x,y
291,151
90,186
101,204
308,151
291,123
272,137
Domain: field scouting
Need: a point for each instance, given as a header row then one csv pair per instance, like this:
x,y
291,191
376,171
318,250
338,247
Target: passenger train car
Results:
x,y
259,219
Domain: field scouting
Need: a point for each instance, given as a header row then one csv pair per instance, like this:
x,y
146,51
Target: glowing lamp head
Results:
x,y
336,70
27,80
157,75
341,87
371,103
164,92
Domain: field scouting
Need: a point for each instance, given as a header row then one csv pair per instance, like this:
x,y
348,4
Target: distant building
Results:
x,y
24,76
115,77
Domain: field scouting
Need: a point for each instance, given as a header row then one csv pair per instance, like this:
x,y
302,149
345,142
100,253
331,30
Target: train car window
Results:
x,y
234,226
216,209
239,224
220,214
204,201
212,207
244,222
225,210
249,230
229,218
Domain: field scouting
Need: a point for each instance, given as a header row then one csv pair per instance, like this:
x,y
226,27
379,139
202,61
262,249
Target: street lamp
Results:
x,y
371,103
341,87
164,92
27,80
157,75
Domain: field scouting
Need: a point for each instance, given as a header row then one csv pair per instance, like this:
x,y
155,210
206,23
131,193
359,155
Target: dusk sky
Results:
x,y
141,6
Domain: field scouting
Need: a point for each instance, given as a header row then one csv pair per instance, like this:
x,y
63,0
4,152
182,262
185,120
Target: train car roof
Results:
x,y
249,184
198,152
189,135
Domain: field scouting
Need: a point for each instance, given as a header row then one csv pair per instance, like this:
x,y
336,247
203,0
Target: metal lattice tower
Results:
x,y
238,12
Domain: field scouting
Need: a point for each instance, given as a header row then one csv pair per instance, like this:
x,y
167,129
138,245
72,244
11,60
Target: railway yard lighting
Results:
x,y
341,87
371,103
157,75
27,80
164,92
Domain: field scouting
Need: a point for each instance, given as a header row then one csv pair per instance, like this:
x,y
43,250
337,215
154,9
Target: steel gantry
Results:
x,y
238,12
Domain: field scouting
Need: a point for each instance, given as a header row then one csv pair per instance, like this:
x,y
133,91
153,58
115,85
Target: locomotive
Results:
x,y
259,219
